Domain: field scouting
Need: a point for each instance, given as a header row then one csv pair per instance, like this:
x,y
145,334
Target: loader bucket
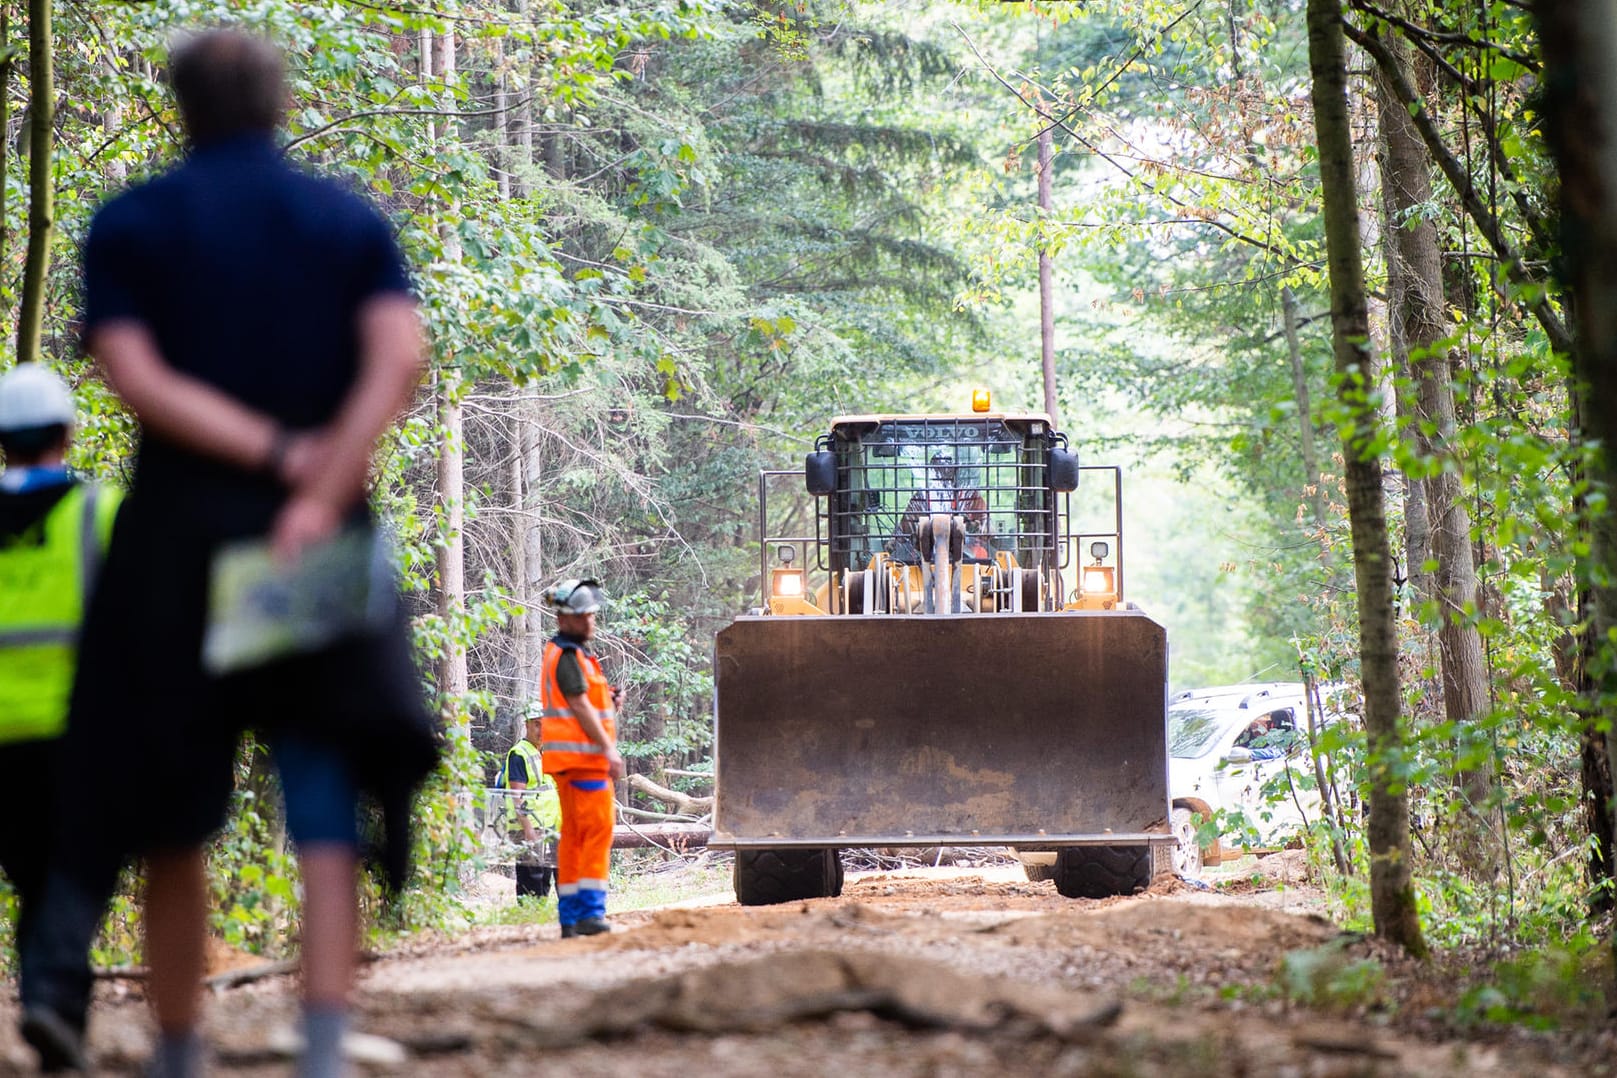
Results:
x,y
1041,729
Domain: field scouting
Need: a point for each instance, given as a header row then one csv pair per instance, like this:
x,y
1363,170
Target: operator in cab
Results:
x,y
945,492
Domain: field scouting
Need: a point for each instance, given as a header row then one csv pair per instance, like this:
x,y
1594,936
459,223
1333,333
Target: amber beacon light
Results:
x,y
981,400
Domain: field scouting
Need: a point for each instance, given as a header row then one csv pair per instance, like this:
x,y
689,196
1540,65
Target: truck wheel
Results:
x,y
1187,855
765,877
1102,871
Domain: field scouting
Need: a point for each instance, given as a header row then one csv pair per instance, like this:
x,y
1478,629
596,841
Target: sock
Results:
x,y
323,1027
178,1055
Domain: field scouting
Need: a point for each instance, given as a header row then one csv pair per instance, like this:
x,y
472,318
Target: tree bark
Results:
x,y
112,118
1392,891
502,126
531,549
519,177
1580,85
454,680
1415,260
1305,408
41,190
1047,314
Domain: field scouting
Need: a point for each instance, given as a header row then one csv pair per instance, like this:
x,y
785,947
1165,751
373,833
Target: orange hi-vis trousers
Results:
x,y
584,850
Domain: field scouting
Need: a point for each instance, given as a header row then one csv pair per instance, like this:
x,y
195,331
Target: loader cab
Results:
x,y
942,514
993,470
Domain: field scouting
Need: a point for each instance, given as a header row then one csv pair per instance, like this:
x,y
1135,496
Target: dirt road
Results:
x,y
933,974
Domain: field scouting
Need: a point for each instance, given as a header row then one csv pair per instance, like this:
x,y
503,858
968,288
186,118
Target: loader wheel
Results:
x,y
859,602
1102,871
1038,871
765,877
1032,597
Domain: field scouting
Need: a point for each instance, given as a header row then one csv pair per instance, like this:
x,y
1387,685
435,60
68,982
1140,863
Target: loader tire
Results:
x,y
765,877
1032,590
1038,871
1103,871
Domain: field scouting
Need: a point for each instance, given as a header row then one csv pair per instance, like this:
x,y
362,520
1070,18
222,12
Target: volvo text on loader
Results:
x,y
943,662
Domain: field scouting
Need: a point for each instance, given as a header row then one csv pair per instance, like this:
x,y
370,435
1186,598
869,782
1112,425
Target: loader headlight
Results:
x,y
1098,580
786,583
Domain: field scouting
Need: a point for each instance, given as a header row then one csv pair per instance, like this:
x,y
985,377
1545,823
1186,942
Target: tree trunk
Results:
x,y
502,128
1392,891
1580,80
1305,408
517,555
531,549
1534,294
453,677
112,118
519,178
1047,314
1418,313
41,193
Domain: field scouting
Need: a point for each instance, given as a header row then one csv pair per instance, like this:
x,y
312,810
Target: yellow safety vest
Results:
x,y
539,802
43,587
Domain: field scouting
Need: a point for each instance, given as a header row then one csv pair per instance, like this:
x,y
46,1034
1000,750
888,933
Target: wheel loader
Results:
x,y
945,661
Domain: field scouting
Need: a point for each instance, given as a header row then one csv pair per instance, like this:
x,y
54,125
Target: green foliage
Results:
x,y
1542,989
253,878
1330,978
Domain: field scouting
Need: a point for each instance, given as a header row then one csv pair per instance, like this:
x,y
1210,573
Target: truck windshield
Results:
x,y
984,470
1192,731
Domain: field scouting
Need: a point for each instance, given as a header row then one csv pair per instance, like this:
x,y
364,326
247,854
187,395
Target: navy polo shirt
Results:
x,y
250,273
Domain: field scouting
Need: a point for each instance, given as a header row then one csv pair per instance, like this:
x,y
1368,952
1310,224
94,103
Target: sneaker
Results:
x,y
59,1043
569,931
591,926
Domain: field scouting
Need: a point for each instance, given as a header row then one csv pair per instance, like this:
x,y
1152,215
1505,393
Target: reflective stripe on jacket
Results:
x,y
562,740
42,593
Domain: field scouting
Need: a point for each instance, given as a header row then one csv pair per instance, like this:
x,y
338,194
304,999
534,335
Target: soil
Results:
x,y
931,972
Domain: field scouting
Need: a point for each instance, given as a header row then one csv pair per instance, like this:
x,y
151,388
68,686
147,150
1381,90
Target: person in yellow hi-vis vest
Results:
x,y
579,747
53,531
531,808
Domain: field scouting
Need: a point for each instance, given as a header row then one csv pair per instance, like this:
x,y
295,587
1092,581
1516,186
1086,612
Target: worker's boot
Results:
x,y
591,926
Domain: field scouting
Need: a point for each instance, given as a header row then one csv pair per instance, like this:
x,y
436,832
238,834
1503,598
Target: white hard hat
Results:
x,y
33,396
574,597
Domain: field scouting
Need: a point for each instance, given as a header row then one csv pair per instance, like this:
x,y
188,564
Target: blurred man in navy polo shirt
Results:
x,y
259,322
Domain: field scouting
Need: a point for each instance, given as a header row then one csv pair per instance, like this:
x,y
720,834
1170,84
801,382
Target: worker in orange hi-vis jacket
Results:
x,y
578,747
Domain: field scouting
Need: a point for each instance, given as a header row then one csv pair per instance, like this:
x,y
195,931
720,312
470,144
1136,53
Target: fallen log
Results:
x,y
682,836
683,804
